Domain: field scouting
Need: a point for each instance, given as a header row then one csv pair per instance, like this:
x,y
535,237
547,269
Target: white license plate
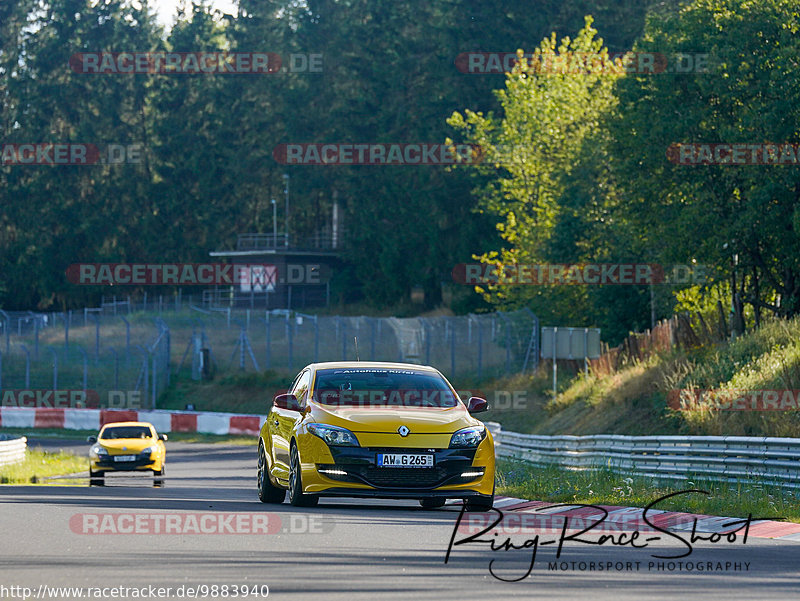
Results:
x,y
404,460
125,458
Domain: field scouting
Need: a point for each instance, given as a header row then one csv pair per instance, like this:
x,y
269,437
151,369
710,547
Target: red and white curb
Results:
x,y
164,421
631,518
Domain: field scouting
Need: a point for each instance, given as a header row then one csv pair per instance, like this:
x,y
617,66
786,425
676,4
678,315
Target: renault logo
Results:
x,y
403,431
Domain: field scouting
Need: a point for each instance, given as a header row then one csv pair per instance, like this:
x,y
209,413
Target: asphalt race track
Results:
x,y
343,549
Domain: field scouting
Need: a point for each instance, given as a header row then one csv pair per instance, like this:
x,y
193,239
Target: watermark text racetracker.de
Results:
x,y
255,275
689,399
202,523
66,154
734,154
194,63
198,591
376,154
41,398
550,63
476,274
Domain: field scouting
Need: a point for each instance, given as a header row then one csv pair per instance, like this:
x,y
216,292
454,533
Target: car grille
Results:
x,y
387,477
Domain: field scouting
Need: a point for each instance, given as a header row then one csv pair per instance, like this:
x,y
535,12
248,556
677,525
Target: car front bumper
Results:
x,y
353,471
108,464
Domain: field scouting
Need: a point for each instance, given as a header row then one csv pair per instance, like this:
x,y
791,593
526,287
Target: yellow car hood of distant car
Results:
x,y
420,420
131,445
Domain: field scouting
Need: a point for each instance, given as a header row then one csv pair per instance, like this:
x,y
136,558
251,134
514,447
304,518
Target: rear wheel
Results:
x,y
432,502
296,495
96,478
267,492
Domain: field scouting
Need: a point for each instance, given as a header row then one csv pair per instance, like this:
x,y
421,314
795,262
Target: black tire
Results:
x,y
96,478
296,495
157,474
432,502
267,492
480,503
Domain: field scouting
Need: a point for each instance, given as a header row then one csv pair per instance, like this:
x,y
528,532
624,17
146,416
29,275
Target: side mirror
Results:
x,y
163,437
287,401
91,439
477,405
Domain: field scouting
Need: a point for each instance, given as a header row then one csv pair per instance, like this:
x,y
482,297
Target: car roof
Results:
x,y
145,424
372,364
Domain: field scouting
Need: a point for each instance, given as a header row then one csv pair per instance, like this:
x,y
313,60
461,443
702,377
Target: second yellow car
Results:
x,y
127,447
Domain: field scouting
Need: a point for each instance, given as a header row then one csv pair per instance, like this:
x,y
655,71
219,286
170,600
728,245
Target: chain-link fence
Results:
x,y
121,351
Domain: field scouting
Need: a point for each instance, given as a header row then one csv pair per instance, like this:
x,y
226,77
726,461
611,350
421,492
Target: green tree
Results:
x,y
743,220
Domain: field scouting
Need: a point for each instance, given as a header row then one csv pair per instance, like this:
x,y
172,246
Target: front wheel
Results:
x,y
296,495
267,492
96,478
158,479
482,503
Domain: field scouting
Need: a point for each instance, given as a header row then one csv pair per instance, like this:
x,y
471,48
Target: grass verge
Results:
x,y
39,464
558,485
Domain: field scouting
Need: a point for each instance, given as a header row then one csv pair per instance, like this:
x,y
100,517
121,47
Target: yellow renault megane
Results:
x,y
380,430
127,447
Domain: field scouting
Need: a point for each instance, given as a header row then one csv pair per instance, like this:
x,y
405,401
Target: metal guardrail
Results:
x,y
774,461
12,450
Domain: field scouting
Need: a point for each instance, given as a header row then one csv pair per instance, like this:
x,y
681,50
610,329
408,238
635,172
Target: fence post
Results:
x,y
269,338
96,338
7,329
85,367
555,363
316,338
127,337
344,340
143,370
168,352
372,339
55,367
507,333
427,329
480,348
27,366
452,350
153,380
36,338
66,330
289,340
116,368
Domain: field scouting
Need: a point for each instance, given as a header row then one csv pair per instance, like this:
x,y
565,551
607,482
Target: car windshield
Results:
x,y
375,387
118,432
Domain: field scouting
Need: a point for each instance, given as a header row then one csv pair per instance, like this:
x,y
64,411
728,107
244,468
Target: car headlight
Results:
x,y
334,436
468,437
98,450
149,450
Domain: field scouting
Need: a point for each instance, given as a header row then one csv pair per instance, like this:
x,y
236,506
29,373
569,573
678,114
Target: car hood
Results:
x,y
133,445
420,420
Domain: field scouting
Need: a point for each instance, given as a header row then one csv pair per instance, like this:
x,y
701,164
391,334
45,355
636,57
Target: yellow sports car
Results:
x,y
380,430
126,447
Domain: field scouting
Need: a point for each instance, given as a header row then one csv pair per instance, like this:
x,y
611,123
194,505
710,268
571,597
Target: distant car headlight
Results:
x,y
334,436
468,437
97,450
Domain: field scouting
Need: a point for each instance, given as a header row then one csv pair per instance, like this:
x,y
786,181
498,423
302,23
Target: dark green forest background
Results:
x,y
389,76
